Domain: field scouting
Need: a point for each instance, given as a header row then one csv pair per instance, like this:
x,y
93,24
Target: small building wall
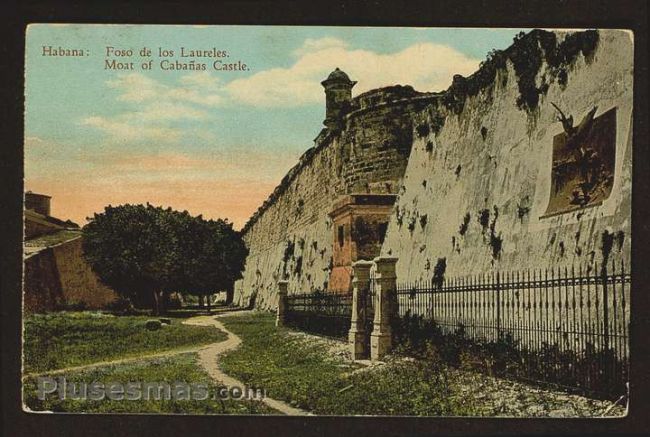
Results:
x,y
37,225
42,289
58,276
39,203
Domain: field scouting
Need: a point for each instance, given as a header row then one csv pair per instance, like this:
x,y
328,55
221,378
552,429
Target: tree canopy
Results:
x,y
145,252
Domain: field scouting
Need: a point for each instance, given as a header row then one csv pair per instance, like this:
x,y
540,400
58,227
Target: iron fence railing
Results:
x,y
565,326
321,313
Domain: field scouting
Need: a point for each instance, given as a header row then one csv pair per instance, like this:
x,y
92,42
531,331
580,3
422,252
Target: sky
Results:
x,y
213,142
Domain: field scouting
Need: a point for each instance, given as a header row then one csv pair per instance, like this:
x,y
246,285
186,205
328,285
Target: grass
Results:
x,y
305,376
66,339
178,368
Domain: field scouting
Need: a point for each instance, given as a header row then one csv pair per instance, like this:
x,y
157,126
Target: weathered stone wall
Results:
x,y
376,144
478,179
41,286
58,276
478,182
291,236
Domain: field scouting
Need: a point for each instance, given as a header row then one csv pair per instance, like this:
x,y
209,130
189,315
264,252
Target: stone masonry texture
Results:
x,y
471,168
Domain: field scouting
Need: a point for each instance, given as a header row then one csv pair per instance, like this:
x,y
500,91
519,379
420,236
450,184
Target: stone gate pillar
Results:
x,y
360,287
385,289
281,317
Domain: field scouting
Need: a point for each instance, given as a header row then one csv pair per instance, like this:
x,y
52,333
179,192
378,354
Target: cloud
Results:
x,y
166,161
37,148
44,158
425,66
154,103
312,45
203,79
121,128
169,111
196,88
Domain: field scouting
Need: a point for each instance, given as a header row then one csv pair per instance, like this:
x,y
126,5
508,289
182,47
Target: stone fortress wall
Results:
x,y
476,189
472,169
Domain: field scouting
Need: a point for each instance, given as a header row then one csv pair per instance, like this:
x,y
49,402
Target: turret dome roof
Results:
x,y
337,74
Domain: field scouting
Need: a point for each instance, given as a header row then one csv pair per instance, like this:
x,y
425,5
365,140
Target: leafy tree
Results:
x,y
212,258
132,248
146,252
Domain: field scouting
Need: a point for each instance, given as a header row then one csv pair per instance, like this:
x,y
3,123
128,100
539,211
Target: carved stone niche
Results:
x,y
584,158
359,227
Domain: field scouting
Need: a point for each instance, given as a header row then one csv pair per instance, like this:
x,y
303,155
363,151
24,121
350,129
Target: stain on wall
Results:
x,y
367,156
484,149
507,179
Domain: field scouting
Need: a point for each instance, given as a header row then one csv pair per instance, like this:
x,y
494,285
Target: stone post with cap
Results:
x,y
385,289
281,317
360,287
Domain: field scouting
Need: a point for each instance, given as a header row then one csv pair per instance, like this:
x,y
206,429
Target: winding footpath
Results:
x,y
126,360
208,358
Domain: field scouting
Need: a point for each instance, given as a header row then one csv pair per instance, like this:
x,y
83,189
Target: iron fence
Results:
x,y
321,313
564,326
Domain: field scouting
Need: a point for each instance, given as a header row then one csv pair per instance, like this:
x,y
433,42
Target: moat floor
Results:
x,y
499,397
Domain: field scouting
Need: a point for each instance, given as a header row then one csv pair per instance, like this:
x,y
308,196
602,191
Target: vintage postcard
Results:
x,y
304,220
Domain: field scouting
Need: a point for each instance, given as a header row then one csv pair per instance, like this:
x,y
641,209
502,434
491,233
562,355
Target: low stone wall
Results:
x,y
58,276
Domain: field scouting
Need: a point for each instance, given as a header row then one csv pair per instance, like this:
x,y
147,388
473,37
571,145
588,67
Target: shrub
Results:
x,y
121,305
423,130
153,325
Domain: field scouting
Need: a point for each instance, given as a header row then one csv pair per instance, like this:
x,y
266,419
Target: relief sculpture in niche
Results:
x,y
584,156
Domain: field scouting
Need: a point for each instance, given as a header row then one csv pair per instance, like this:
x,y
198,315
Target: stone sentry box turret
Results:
x,y
338,93
351,176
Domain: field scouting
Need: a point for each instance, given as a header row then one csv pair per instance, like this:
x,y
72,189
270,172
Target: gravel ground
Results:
x,y
505,398
500,397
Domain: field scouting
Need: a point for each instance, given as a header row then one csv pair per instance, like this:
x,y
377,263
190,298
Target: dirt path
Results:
x,y
208,357
112,362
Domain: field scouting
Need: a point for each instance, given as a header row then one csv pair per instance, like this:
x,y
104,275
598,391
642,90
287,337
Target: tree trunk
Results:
x,y
201,302
156,302
164,300
209,303
230,294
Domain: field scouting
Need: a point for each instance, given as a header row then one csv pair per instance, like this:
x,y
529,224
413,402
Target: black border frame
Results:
x,y
628,14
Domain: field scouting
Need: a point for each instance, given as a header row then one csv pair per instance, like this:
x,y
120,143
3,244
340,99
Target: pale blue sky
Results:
x,y
212,142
